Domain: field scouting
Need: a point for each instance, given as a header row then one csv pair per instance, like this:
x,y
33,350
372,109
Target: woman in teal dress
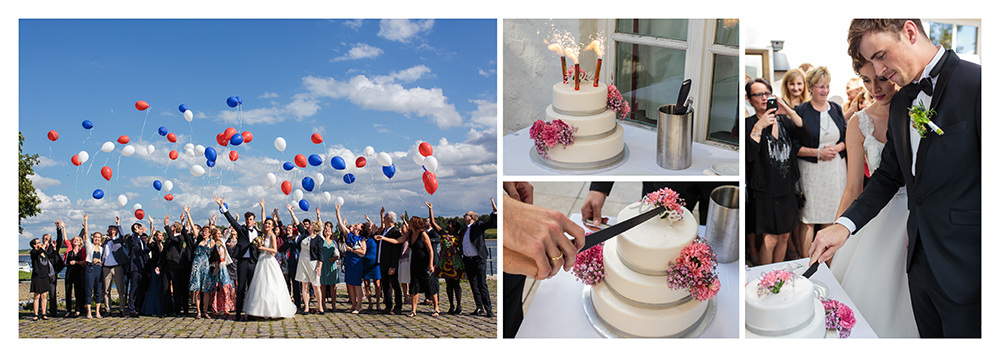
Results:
x,y
202,282
330,271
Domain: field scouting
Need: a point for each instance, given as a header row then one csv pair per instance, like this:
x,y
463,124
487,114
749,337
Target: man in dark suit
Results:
x,y
291,247
388,262
473,240
136,278
940,169
52,254
173,253
114,260
246,253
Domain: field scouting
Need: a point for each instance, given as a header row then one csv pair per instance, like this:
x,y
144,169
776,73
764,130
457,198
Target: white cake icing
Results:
x,y
588,100
793,312
644,322
588,125
598,137
591,150
655,243
650,289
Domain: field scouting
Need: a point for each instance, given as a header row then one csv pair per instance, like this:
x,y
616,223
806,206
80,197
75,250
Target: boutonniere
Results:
x,y
921,118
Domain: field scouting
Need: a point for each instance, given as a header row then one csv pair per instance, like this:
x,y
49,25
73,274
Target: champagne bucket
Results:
x,y
722,228
674,133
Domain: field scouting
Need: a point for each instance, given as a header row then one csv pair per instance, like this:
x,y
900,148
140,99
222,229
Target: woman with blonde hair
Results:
x,y
793,88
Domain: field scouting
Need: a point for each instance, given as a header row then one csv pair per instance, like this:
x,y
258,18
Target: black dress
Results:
x,y
772,174
41,278
420,278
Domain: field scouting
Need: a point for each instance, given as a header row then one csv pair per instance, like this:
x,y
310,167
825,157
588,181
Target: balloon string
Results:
x,y
144,122
118,167
88,136
92,163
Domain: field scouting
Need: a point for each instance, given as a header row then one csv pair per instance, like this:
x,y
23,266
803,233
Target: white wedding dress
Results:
x,y
267,295
871,266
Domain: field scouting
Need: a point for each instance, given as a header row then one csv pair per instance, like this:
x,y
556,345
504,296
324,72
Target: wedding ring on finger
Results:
x,y
557,258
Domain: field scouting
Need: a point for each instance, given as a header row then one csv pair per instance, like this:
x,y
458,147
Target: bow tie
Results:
x,y
924,85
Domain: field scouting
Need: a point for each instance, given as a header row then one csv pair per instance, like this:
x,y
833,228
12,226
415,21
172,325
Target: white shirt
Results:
x,y
107,258
468,249
251,231
378,257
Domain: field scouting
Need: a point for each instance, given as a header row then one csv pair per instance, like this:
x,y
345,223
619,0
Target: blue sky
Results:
x,y
385,84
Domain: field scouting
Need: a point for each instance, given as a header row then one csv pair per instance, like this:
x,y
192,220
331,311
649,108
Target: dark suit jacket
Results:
x,y
389,253
138,252
945,196
810,123
119,251
477,234
173,249
243,244
53,253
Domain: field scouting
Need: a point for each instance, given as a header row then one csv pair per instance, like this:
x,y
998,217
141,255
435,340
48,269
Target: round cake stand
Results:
x,y
579,168
598,324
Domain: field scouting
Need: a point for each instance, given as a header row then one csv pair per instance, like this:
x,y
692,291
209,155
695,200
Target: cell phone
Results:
x,y
772,103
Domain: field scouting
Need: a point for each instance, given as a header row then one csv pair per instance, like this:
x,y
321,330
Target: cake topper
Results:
x,y
772,281
665,197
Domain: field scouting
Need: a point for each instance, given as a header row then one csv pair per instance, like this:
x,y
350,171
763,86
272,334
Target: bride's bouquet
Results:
x,y
258,242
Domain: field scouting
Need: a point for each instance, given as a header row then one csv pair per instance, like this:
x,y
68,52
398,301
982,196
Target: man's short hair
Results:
x,y
861,27
135,226
248,215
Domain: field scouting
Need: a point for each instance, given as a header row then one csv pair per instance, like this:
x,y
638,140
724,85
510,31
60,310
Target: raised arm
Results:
x,y
318,218
263,214
430,214
190,222
291,211
340,222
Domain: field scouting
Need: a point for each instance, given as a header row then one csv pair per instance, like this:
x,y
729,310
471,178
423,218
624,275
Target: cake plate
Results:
x,y
609,332
580,168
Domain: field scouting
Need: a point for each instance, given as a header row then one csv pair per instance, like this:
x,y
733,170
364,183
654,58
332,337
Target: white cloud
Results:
x,y
406,76
403,30
485,114
486,73
359,51
45,161
268,95
381,128
354,24
40,182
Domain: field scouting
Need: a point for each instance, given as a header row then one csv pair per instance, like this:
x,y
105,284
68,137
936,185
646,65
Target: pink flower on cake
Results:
x,y
772,281
589,266
839,317
548,135
666,197
616,103
695,270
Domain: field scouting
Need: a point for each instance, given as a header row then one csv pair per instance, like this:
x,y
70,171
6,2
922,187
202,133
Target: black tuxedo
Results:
x,y
389,254
944,253
52,254
475,266
137,276
176,272
244,265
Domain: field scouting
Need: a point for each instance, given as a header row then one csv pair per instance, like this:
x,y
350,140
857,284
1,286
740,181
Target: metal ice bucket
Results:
x,y
723,226
674,133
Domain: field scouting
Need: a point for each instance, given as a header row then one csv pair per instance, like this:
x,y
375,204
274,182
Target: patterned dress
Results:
x,y
450,265
201,280
224,298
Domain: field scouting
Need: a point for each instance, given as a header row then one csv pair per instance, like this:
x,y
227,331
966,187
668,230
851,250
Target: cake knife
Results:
x,y
680,108
612,231
812,270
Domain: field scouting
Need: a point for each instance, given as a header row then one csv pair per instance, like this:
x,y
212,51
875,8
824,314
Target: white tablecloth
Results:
x,y
557,308
861,327
641,161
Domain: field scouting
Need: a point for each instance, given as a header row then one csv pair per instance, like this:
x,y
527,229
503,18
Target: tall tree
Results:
x,y
27,200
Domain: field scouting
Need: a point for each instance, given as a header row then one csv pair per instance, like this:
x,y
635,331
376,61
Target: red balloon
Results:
x,y
75,160
247,136
173,154
106,172
300,160
123,139
230,131
233,156
317,139
140,214
286,187
221,139
172,137
426,149
430,182
53,135
141,105
169,197
360,162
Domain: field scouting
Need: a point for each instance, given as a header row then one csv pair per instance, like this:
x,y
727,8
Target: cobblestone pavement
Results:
x,y
331,325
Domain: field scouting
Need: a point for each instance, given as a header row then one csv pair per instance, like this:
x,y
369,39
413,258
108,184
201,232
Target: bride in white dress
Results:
x,y
267,295
871,266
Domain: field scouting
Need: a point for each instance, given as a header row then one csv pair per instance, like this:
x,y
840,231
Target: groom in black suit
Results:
x,y
941,171
475,254
246,253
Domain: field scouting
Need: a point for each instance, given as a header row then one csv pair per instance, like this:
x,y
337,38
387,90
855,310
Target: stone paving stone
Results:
x,y
367,324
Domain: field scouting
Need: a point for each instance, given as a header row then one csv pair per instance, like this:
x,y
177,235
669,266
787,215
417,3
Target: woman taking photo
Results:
x,y
772,169
355,249
821,156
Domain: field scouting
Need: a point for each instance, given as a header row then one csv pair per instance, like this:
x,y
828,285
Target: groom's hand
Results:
x,y
828,240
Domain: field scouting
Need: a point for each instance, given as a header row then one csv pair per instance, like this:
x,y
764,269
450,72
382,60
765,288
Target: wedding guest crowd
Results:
x,y
263,269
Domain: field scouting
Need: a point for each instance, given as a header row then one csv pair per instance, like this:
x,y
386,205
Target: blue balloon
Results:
x,y
182,108
308,184
87,124
210,154
304,205
163,131
239,100
98,194
288,166
389,171
210,163
315,160
232,102
338,163
349,178
157,185
236,139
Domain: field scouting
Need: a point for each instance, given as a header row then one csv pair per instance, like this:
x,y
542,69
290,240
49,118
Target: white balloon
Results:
x,y
431,164
279,144
297,195
270,179
189,152
369,151
199,150
108,146
128,150
150,149
167,185
418,159
319,180
188,146
197,170
83,156
136,206
384,159
340,201
327,196
122,200
188,115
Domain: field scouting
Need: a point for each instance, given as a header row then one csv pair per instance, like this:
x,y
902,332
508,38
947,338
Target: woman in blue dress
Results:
x,y
330,274
372,274
202,282
355,249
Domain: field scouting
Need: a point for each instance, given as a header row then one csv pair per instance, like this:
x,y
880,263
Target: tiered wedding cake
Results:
x,y
598,136
634,298
794,311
